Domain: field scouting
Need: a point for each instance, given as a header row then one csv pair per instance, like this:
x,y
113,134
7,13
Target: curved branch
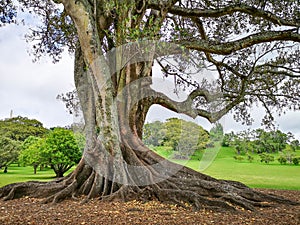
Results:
x,y
228,10
187,107
227,48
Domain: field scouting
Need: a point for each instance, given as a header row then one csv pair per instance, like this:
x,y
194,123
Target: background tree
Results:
x,y
252,46
60,150
216,133
184,137
19,128
9,151
31,152
154,133
228,139
270,141
295,145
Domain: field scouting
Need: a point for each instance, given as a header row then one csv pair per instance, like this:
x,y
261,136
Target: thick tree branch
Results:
x,y
227,48
228,10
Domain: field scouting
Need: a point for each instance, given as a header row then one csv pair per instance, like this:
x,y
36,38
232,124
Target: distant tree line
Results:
x,y
264,143
26,142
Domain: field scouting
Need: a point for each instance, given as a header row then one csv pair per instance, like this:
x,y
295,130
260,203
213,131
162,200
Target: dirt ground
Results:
x,y
31,211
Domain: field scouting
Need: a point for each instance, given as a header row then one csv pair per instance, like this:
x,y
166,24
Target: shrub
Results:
x,y
250,158
296,160
266,158
238,158
282,160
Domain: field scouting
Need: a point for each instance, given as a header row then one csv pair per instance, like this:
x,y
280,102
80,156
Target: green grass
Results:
x,y
22,174
255,174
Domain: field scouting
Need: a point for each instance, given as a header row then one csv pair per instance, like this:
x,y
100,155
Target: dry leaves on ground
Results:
x,y
31,211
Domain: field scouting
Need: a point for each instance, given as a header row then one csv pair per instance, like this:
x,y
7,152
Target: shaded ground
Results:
x,y
30,211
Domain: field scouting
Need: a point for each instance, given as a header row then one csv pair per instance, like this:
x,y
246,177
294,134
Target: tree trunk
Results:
x,y
115,98
116,165
35,168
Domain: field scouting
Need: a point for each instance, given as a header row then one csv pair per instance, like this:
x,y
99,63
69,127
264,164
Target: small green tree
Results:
x,y
31,153
153,133
9,150
270,142
296,160
216,133
228,139
184,137
266,158
295,145
61,150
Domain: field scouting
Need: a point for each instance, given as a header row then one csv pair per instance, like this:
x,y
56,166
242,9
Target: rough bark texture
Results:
x,y
121,167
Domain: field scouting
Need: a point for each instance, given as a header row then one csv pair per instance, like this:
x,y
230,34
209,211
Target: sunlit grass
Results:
x,y
21,174
254,174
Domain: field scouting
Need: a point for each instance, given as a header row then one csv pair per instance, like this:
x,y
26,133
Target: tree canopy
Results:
x,y
9,150
31,152
250,47
60,150
19,128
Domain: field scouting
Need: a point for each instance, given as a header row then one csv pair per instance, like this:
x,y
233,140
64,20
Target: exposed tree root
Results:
x,y
202,192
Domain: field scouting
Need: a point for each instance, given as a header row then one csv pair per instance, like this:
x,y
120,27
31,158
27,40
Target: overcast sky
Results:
x,y
30,89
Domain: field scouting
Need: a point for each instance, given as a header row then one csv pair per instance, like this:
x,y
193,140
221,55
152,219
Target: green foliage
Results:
x,y
9,150
80,140
154,133
241,143
296,160
31,153
282,160
266,158
295,145
259,141
19,128
289,156
272,141
250,158
238,158
61,150
228,139
216,133
184,137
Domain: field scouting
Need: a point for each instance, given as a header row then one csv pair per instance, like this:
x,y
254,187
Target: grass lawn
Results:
x,y
21,174
255,174
218,162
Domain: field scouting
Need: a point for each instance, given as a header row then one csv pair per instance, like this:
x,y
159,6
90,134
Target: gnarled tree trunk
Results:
x,y
115,96
116,165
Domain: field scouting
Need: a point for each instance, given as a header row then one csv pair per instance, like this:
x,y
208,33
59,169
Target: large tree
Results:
x,y
252,46
19,128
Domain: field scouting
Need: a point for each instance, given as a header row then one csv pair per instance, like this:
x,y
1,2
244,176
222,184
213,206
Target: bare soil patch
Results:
x,y
31,211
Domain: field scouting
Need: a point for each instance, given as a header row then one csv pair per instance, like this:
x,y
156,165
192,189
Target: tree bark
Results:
x,y
116,165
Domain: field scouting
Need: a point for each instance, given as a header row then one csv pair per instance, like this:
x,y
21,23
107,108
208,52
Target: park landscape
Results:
x,y
222,56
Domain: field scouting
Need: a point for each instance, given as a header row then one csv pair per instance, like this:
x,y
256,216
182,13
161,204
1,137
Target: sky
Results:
x,y
30,89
